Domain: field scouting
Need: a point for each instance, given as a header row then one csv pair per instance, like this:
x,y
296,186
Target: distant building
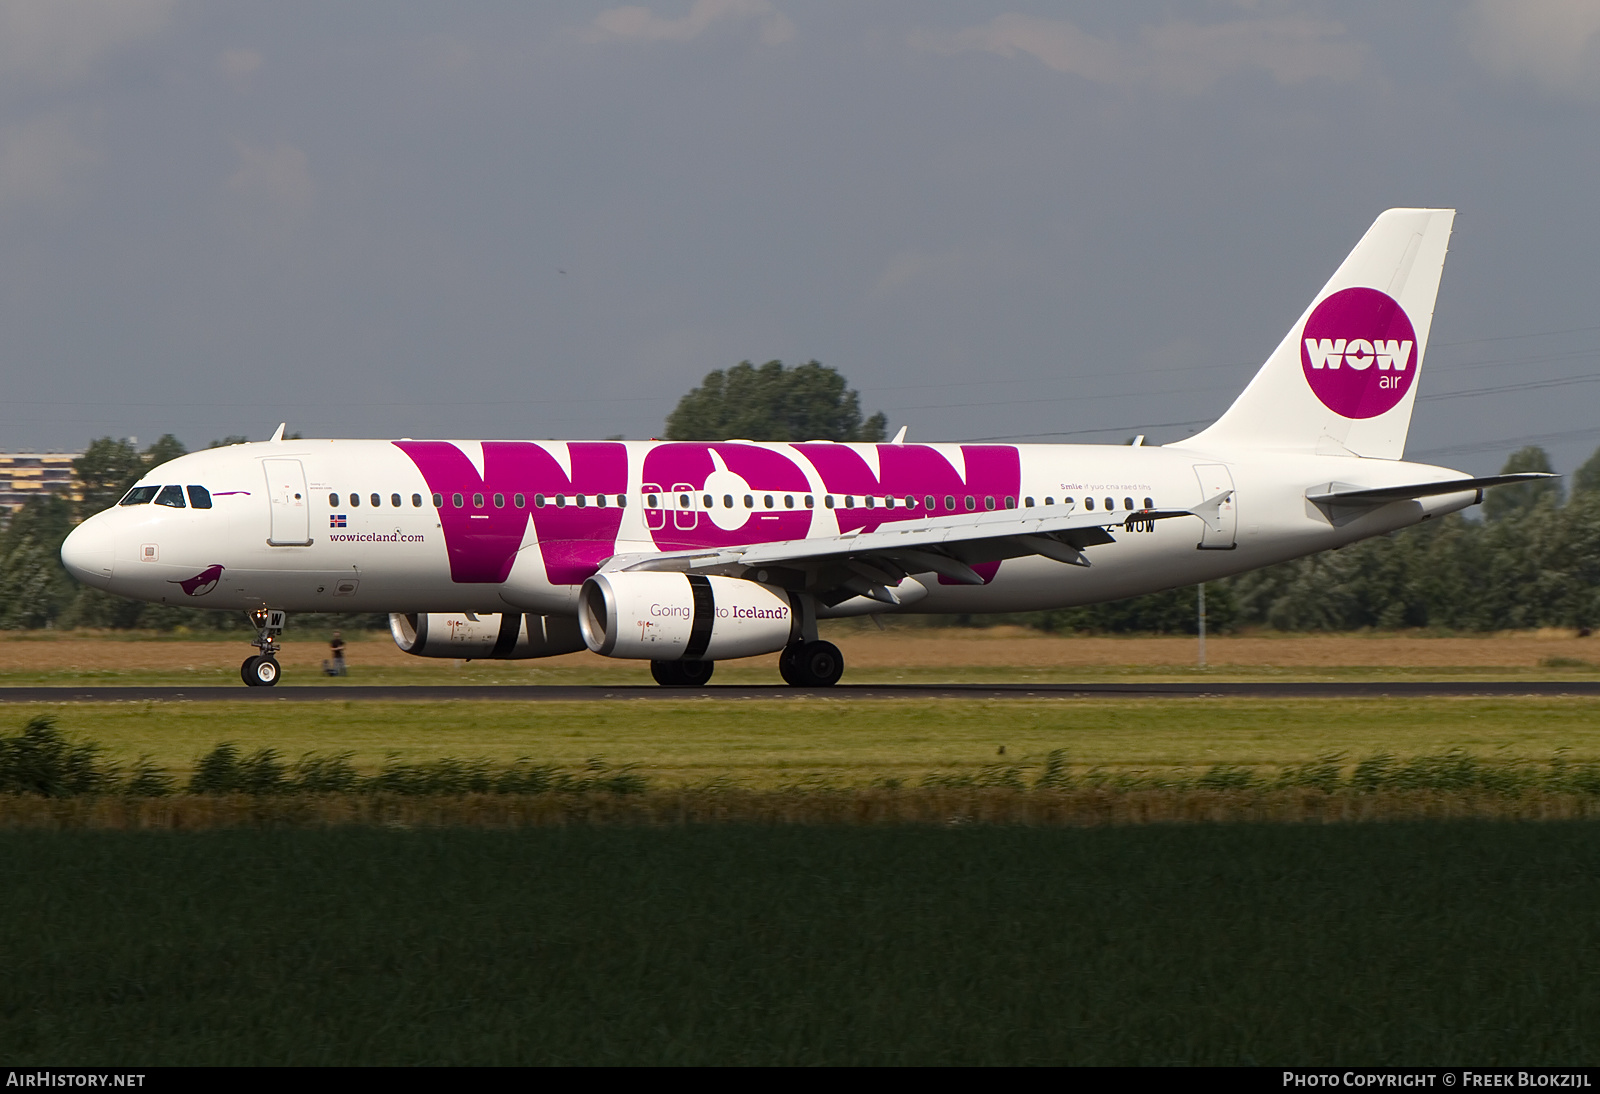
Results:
x,y
25,475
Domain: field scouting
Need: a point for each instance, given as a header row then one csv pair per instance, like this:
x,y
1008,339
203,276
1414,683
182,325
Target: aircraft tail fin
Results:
x,y
1344,379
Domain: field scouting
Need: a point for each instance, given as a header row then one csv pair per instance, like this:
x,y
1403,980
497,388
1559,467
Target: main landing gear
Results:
x,y
811,665
682,674
262,671
802,665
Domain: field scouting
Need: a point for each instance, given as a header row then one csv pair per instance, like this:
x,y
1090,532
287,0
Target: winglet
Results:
x,y
278,436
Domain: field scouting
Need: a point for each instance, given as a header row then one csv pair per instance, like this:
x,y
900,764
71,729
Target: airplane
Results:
x,y
685,553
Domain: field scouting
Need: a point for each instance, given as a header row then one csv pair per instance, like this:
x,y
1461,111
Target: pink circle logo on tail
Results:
x,y
1359,353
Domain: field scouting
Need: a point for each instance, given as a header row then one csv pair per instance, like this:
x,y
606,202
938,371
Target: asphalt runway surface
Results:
x,y
1407,689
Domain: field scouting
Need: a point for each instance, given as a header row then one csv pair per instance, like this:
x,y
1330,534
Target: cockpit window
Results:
x,y
171,495
199,497
141,495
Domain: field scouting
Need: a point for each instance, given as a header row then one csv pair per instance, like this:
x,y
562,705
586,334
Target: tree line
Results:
x,y
1528,557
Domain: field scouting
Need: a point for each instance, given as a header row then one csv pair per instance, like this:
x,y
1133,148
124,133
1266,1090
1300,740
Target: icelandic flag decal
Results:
x,y
336,520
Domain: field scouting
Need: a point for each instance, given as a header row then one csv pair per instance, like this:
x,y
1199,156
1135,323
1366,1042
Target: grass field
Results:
x,y
899,654
613,928
772,743
1397,944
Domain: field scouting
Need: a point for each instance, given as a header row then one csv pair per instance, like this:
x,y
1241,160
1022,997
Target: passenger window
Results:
x,y
376,501
651,501
767,498
869,499
828,501
355,500
171,495
199,497
438,501
622,501
1149,503
911,502
141,495
811,502
988,501
477,501
600,500
1088,503
538,501
416,501
459,500
788,501
683,501
394,500
1027,503
333,501
888,502
1127,503
1111,503
519,500
749,502
1064,501
582,500
849,501
710,502
971,503
561,501
1011,502
727,501
499,501
928,502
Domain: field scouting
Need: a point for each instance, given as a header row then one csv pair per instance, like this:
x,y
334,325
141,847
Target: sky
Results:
x,y
1030,221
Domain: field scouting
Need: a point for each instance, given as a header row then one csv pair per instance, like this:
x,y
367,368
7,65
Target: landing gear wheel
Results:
x,y
811,665
682,674
789,666
261,672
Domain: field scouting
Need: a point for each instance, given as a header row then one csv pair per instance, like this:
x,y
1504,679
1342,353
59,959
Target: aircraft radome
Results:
x,y
686,553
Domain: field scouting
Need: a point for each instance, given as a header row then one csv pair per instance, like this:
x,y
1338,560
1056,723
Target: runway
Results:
x,y
1407,689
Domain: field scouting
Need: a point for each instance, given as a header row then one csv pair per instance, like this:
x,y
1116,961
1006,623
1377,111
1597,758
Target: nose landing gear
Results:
x,y
262,671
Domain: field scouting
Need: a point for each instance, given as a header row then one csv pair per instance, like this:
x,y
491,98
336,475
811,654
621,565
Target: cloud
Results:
x,y
914,267
57,41
1555,44
641,24
1176,56
39,158
276,179
238,65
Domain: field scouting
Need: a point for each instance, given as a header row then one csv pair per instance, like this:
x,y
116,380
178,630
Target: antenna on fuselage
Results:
x,y
900,437
278,436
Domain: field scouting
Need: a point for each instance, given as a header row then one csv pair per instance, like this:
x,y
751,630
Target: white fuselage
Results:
x,y
469,526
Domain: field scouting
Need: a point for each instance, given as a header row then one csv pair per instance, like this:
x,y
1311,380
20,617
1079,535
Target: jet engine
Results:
x,y
684,617
507,637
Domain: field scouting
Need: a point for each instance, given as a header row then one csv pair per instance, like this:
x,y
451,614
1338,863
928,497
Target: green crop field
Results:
x,y
1463,944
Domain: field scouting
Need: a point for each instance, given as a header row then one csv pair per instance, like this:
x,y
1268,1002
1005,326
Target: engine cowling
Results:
x,y
683,617
507,637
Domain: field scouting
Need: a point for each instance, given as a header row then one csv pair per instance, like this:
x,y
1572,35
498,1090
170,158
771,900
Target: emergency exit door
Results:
x,y
291,509
1217,507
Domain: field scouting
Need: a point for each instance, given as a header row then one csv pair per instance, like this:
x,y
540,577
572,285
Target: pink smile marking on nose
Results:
x,y
201,583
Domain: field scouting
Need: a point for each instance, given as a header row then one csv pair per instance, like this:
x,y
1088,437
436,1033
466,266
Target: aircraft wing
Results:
x,y
1335,493
869,563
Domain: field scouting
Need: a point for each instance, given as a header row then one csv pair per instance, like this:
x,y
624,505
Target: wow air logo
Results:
x,y
1359,353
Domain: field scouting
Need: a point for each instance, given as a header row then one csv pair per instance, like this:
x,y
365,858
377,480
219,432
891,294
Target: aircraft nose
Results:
x,y
88,552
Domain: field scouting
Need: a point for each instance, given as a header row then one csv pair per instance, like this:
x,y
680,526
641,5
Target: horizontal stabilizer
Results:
x,y
1340,494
